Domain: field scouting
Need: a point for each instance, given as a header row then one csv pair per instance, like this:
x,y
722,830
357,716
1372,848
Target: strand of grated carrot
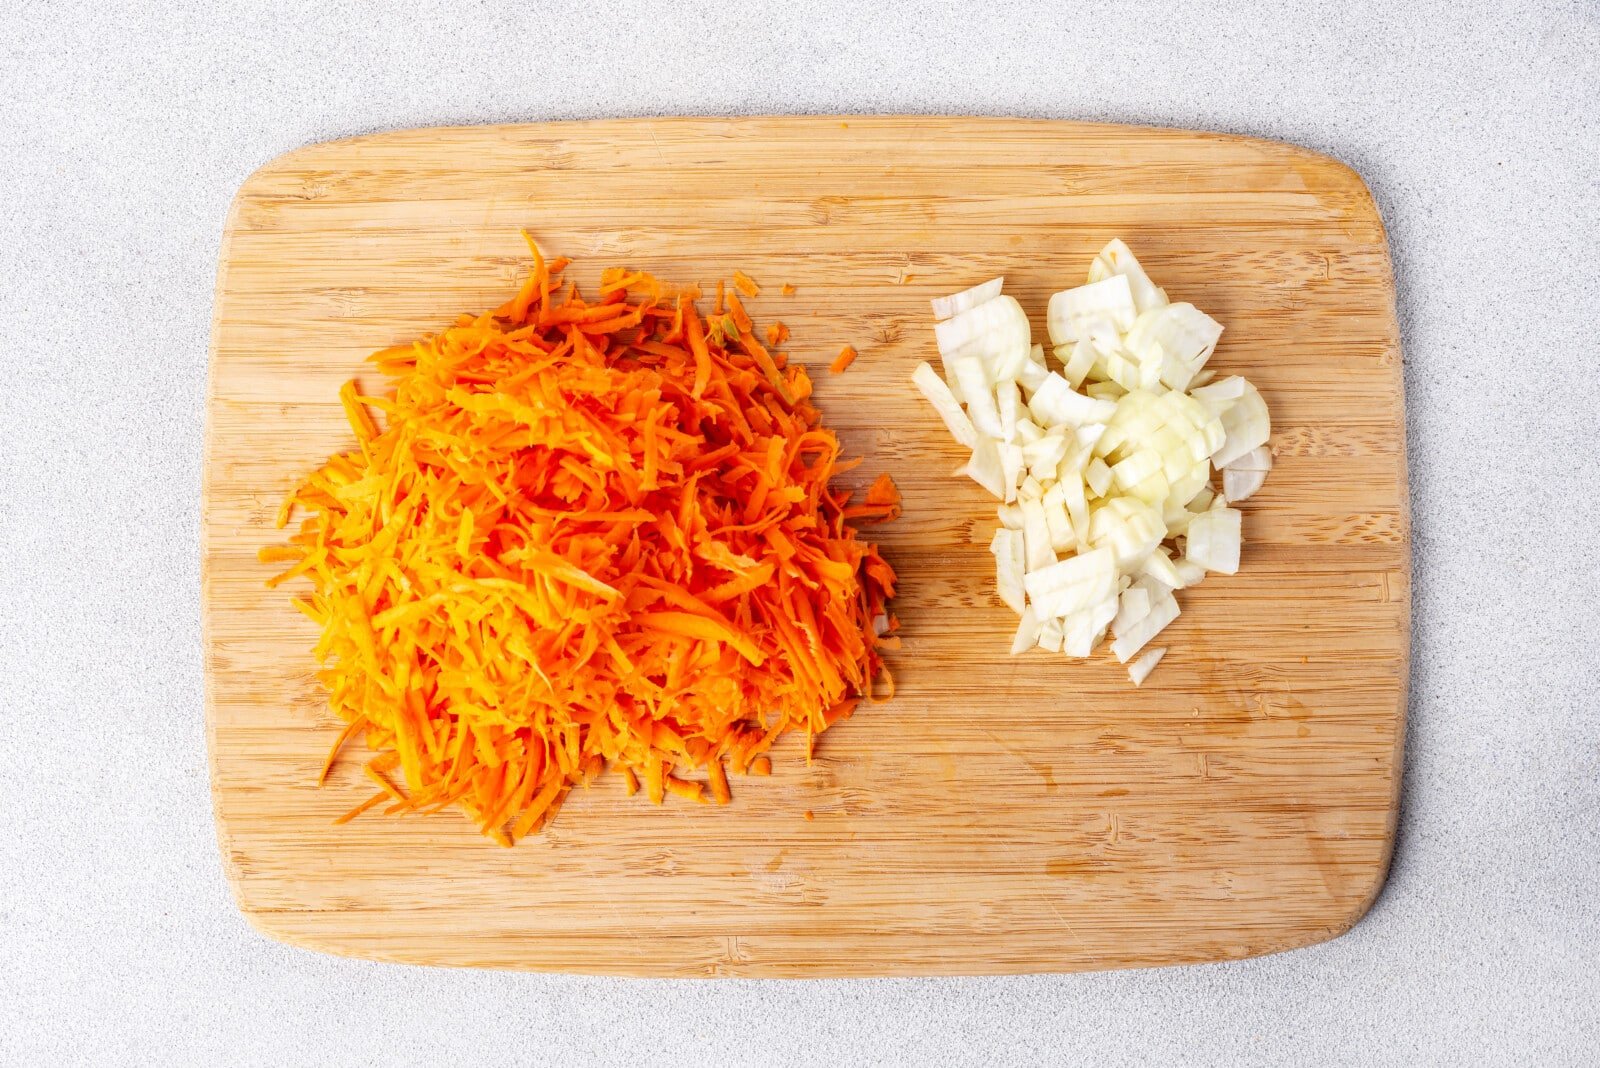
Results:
x,y
586,535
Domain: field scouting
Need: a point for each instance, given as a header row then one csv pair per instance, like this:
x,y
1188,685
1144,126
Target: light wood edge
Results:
x,y
262,920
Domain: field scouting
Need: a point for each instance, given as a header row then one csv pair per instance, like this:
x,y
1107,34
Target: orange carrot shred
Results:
x,y
587,534
787,290
719,781
846,357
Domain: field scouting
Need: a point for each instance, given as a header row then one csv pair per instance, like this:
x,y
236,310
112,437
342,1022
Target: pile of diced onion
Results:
x,y
1102,465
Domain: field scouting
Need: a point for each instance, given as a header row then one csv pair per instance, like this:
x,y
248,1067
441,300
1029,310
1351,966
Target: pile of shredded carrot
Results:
x,y
587,535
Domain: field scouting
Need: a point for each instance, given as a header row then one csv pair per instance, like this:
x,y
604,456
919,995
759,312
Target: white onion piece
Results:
x,y
1045,454
1247,474
1055,402
1072,570
1010,516
1110,391
1083,629
944,402
1241,485
1076,500
1038,552
1028,430
1163,611
956,303
984,468
1159,567
1140,669
1219,395
1130,528
1213,540
1075,598
1027,635
1247,426
1191,573
1089,436
1031,376
1073,312
1009,568
1117,258
1050,636
1178,338
1008,400
1076,361
1010,468
974,381
1058,519
986,329
1098,476
1133,606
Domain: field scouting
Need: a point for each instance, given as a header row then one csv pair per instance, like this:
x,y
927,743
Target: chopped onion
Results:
x,y
1247,474
1162,611
981,406
1103,467
1032,376
1178,339
1056,403
1077,364
1117,258
984,468
1214,540
1027,635
1140,669
1098,476
1190,572
1050,636
1010,468
1246,424
1039,553
1008,400
988,329
1133,606
1159,566
956,303
944,402
1010,569
1083,629
1074,312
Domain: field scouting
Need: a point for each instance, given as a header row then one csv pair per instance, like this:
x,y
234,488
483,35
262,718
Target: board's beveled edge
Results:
x,y
263,919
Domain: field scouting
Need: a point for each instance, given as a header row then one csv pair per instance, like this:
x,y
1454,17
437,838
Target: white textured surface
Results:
x,y
124,136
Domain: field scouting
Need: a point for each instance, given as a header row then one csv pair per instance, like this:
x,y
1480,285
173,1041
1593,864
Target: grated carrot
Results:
x,y
846,357
587,535
745,284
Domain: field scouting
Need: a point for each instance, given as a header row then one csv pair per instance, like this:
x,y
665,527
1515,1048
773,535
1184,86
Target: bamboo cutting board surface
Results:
x,y
999,814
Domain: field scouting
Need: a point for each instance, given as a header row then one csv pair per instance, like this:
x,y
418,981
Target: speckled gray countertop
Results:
x,y
125,135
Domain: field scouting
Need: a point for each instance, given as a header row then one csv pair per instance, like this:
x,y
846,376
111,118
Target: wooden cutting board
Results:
x,y
1000,814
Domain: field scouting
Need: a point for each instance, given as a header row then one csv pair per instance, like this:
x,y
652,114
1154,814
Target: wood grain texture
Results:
x,y
1000,814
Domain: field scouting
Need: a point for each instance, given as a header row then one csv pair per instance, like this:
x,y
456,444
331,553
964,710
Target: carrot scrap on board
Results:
x,y
745,284
846,357
787,290
777,334
586,536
